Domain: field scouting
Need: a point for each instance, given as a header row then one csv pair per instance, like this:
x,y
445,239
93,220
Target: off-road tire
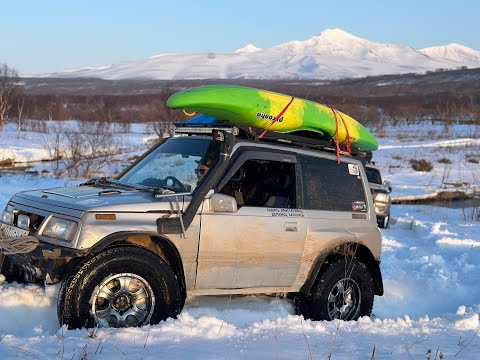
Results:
x,y
315,305
74,302
11,272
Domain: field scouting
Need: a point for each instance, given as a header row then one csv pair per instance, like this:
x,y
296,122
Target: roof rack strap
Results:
x,y
349,149
276,118
337,141
336,135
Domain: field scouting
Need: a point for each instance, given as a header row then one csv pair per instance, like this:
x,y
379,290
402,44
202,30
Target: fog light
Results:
x,y
23,222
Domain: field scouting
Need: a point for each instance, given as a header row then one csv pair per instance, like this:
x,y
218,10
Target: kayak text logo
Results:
x,y
268,117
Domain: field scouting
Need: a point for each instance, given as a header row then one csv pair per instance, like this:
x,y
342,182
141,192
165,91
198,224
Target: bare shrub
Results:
x,y
381,133
472,159
163,116
444,161
403,136
37,126
421,165
8,87
162,129
81,150
20,110
471,214
122,128
94,128
434,134
7,162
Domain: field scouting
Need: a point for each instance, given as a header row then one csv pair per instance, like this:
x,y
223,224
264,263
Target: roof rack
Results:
x,y
195,129
272,137
315,144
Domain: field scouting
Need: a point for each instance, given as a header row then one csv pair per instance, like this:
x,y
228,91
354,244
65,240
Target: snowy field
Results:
x,y
430,266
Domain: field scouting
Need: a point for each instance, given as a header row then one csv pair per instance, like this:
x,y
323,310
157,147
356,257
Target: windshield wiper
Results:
x,y
104,181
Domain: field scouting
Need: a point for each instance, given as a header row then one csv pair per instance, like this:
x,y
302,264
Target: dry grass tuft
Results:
x,y
445,161
421,165
473,160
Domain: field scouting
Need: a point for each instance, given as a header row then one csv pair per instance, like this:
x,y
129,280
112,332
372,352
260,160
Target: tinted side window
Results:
x,y
263,183
331,186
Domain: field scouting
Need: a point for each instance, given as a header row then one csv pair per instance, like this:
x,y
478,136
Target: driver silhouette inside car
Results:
x,y
201,171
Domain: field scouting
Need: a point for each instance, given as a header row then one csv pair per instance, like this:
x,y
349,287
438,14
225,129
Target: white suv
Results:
x,y
210,211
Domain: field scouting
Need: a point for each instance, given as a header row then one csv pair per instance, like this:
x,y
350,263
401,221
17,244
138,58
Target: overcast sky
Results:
x,y
54,35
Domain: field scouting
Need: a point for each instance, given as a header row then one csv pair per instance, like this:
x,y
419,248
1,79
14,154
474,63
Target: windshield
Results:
x,y
373,175
179,164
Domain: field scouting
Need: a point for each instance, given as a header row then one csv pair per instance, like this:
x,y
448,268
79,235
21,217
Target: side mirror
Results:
x,y
387,184
223,203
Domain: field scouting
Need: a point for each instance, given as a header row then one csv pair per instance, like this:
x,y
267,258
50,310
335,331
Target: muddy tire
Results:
x,y
344,291
120,287
11,272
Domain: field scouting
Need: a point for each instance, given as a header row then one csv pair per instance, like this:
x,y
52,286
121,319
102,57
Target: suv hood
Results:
x,y
96,198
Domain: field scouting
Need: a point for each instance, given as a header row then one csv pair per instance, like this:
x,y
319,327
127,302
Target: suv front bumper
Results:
x,y
46,262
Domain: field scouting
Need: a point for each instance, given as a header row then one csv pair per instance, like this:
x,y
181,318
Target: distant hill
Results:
x,y
462,81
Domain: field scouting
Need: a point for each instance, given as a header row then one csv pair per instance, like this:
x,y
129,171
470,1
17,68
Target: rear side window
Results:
x,y
331,186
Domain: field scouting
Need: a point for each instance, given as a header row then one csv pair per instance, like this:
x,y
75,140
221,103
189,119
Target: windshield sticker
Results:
x,y
286,212
359,206
353,169
92,202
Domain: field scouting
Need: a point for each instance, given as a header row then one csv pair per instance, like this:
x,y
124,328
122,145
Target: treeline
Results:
x,y
450,97
371,111
102,108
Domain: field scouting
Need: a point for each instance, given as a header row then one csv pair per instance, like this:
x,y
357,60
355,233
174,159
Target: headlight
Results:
x,y
7,216
381,197
61,229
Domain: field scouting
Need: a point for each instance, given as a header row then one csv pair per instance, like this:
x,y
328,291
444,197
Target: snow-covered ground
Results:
x,y
430,266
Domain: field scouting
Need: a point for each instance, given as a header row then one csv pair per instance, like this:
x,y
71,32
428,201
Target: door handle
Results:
x,y
291,226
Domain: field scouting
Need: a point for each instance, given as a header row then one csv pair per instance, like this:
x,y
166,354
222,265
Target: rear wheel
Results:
x,y
121,287
344,291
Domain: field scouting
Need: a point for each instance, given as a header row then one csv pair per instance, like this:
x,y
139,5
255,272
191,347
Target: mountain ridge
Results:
x,y
332,54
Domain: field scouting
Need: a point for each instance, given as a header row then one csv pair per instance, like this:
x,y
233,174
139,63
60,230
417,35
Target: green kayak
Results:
x,y
249,107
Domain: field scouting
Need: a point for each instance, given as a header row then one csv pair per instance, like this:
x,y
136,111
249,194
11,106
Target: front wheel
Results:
x,y
120,287
344,291
10,271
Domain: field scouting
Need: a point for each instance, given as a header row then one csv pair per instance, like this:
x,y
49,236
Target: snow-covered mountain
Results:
x,y
455,52
249,48
333,54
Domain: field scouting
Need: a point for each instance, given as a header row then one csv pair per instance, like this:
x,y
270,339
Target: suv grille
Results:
x,y
12,232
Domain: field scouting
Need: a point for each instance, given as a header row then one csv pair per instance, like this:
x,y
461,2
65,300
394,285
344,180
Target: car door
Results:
x,y
337,205
262,243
